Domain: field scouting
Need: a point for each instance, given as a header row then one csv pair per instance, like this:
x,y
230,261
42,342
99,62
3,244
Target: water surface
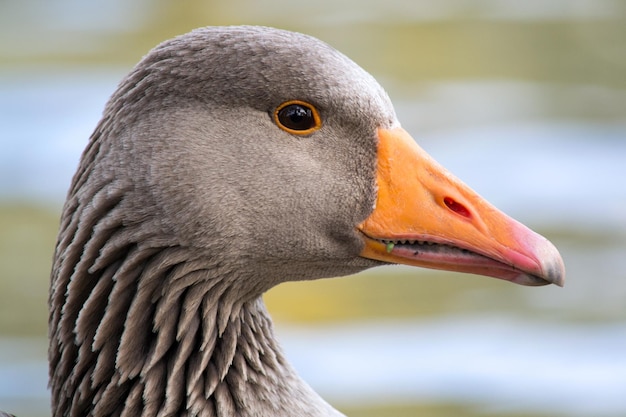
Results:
x,y
525,101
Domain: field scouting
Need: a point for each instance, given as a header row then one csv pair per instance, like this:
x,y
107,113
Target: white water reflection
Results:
x,y
496,363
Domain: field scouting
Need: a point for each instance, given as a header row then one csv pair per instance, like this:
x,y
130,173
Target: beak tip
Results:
x,y
552,264
556,274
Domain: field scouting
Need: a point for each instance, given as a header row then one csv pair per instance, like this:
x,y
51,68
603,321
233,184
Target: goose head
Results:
x,y
229,160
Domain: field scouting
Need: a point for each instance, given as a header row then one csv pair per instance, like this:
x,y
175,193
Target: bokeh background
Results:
x,y
524,100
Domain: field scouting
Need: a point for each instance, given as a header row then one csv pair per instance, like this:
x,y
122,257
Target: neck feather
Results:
x,y
138,328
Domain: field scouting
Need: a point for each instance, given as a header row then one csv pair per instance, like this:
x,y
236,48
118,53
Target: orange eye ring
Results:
x,y
297,117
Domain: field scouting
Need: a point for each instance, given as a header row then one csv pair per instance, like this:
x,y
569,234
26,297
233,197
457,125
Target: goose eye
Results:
x,y
297,117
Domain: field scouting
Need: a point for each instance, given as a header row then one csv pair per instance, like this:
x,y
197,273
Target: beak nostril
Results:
x,y
457,207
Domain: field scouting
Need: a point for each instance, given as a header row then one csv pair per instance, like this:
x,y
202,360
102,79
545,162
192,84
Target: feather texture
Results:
x,y
188,204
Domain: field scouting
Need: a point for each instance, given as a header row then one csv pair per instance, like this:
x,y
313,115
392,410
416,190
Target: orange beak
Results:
x,y
424,216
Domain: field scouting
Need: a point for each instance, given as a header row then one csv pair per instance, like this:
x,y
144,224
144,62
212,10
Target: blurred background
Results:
x,y
524,100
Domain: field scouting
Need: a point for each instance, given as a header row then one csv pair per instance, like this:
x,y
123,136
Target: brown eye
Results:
x,y
297,117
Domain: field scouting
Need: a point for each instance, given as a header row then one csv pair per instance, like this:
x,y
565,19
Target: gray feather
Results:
x,y
188,204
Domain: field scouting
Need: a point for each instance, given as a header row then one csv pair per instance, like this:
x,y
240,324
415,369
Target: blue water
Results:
x,y
542,170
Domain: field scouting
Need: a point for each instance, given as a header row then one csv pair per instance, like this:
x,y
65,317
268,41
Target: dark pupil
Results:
x,y
296,117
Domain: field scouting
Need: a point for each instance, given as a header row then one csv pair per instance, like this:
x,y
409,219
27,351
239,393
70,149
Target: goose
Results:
x,y
230,160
